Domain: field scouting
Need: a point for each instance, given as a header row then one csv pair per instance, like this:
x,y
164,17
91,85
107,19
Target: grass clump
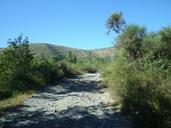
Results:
x,y
15,100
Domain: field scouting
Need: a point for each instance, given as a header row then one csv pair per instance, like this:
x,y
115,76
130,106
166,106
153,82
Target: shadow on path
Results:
x,y
95,115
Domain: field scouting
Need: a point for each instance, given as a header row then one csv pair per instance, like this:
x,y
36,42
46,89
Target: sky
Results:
x,y
76,23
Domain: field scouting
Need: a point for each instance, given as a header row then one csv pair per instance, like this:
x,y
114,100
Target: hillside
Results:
x,y
104,52
47,50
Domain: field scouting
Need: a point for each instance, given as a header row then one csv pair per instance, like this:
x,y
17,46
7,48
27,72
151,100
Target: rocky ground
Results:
x,y
79,102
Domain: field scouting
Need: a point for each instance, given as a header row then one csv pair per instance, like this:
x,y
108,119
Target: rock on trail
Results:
x,y
79,102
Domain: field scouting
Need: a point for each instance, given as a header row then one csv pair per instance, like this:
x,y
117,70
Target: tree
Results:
x,y
131,40
15,63
115,22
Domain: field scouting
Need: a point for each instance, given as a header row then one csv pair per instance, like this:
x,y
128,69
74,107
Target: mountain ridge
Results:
x,y
47,50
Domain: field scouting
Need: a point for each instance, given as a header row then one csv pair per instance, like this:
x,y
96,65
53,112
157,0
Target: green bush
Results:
x,y
60,74
140,77
15,63
70,69
39,79
46,72
19,71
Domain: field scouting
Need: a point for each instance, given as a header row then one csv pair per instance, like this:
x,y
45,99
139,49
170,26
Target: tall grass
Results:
x,y
142,84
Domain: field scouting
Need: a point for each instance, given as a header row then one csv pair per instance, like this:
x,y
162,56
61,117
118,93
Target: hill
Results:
x,y
104,52
46,50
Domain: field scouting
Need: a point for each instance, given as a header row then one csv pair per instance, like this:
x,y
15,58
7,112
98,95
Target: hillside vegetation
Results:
x,y
137,69
140,74
45,50
48,50
27,66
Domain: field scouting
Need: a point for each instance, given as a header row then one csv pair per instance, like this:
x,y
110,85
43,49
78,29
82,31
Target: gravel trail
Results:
x,y
80,102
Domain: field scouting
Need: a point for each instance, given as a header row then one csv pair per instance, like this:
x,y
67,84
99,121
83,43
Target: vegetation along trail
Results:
x,y
80,102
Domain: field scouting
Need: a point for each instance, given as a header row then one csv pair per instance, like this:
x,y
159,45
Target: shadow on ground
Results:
x,y
77,117
72,117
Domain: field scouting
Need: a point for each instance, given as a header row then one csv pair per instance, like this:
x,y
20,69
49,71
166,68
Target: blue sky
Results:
x,y
76,23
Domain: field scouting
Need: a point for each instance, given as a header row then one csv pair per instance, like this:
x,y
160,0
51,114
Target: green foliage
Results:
x,y
115,22
71,69
72,57
46,72
166,39
131,40
15,63
140,76
20,71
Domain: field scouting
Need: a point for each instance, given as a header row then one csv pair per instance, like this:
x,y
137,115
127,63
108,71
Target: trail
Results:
x,y
80,102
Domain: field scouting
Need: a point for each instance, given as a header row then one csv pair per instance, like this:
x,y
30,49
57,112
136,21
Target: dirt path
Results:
x,y
80,102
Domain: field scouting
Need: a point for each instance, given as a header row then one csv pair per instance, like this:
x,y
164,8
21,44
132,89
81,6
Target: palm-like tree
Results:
x,y
115,22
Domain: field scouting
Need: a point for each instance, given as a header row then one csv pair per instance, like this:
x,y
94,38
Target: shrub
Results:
x,y
15,62
48,73
60,74
141,82
70,69
90,69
